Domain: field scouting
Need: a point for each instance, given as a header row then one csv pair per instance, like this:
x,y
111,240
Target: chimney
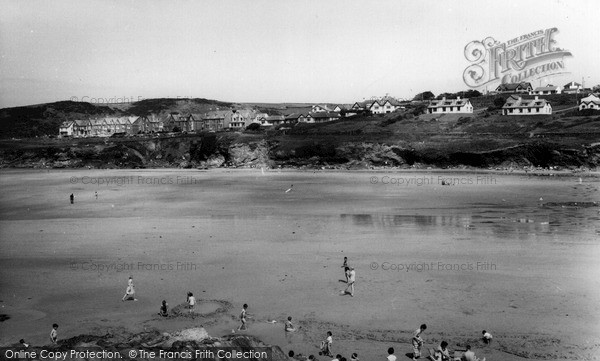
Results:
x,y
536,97
457,98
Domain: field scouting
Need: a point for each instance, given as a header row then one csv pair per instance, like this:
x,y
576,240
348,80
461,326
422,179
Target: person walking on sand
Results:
x,y
191,300
54,333
130,291
72,198
289,326
345,267
417,341
243,316
326,345
351,280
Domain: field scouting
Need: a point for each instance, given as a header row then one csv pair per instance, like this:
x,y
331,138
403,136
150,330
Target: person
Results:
x,y
291,354
96,194
191,300
130,291
72,198
130,281
54,333
351,279
417,341
338,357
326,345
289,326
391,356
164,309
345,267
354,357
25,345
243,317
470,355
487,337
441,354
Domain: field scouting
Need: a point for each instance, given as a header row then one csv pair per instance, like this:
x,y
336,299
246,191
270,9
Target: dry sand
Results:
x,y
237,237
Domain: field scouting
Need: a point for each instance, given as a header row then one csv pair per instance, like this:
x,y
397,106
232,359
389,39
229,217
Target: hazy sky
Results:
x,y
269,51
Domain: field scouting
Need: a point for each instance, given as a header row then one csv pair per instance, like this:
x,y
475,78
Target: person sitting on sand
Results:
x,y
243,317
22,342
354,357
487,337
391,356
191,300
441,354
417,341
164,309
289,326
470,355
54,333
326,345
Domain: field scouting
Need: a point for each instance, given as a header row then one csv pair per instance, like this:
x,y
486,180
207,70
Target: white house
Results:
x,y
66,129
450,106
516,105
590,102
545,90
572,88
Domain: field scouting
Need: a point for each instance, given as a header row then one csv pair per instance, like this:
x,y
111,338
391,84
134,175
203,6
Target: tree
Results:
x,y
427,95
499,102
253,127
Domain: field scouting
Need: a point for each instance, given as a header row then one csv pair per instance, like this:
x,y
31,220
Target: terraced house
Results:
x,y
450,106
516,105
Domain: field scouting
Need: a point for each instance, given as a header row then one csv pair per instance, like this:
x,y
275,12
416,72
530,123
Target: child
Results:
x,y
289,326
25,345
417,341
470,355
243,317
191,300
487,337
326,345
354,357
391,356
351,278
164,309
441,354
129,294
54,333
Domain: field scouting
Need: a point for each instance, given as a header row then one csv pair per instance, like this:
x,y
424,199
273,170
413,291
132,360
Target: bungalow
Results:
x,y
384,106
545,90
572,88
294,118
514,88
66,129
323,117
274,120
516,105
450,106
590,102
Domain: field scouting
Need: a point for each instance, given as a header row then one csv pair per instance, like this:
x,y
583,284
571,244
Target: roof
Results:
x,y
67,123
572,84
325,115
216,114
513,86
271,118
515,102
294,116
82,123
548,87
458,102
590,99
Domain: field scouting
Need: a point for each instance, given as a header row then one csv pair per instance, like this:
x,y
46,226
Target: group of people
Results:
x,y
442,353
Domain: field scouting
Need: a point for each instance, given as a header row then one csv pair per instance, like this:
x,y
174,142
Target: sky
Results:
x,y
269,51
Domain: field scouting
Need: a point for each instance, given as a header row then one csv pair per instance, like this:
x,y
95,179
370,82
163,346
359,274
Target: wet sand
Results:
x,y
485,253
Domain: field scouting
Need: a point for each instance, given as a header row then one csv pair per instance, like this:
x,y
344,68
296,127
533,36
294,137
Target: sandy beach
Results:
x,y
513,254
